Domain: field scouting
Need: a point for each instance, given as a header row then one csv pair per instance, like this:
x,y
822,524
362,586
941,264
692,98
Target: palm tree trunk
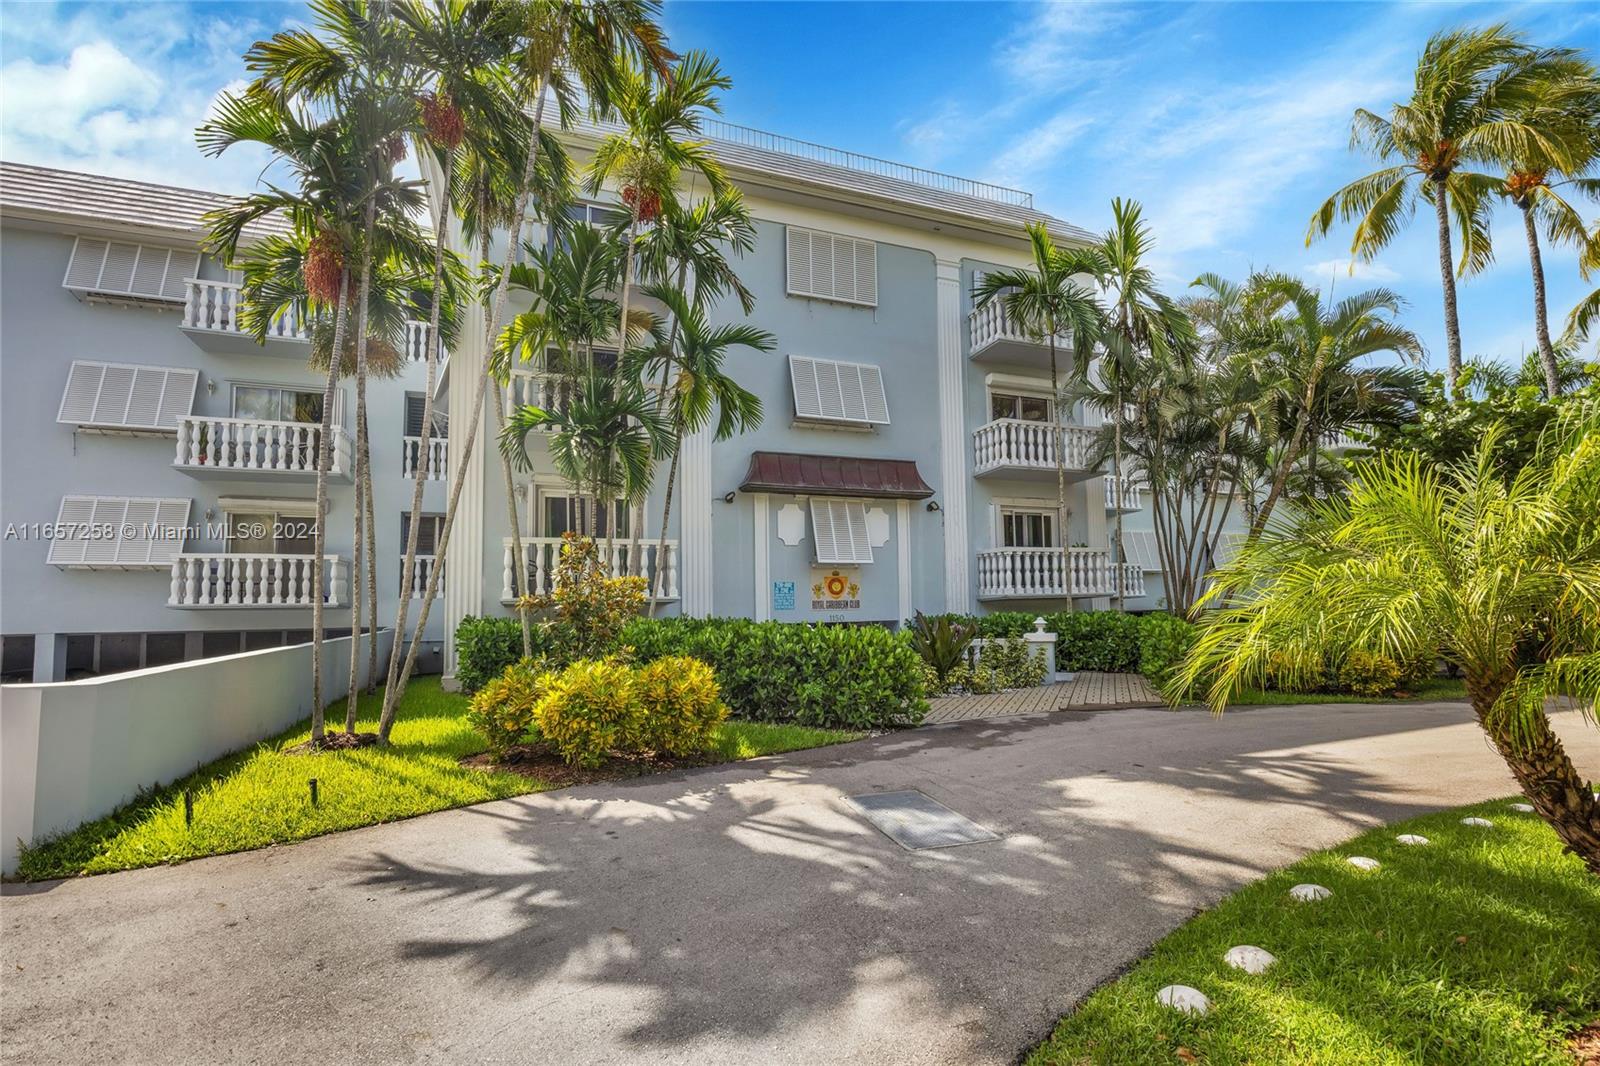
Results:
x,y
1545,773
519,570
1541,315
1060,449
408,568
1452,321
372,573
677,445
319,536
1116,474
360,551
357,557
657,585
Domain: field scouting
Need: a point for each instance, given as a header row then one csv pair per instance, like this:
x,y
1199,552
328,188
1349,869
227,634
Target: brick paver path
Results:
x,y
1086,690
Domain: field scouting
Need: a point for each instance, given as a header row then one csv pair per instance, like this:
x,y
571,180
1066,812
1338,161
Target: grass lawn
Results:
x,y
1439,688
258,797
1480,947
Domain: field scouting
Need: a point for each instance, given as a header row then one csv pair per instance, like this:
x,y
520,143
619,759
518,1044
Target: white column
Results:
x,y
693,503
952,438
763,557
464,595
902,521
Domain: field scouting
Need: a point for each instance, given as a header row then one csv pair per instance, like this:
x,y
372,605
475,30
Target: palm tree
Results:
x,y
1048,300
1421,561
1567,110
1464,109
1304,344
1139,322
691,358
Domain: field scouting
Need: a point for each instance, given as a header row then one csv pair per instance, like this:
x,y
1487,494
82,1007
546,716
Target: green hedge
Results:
x,y
484,648
840,677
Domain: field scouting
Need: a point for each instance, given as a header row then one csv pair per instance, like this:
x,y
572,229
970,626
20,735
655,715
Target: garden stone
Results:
x,y
1249,959
1309,893
1525,808
1412,839
1183,998
1361,862
1482,823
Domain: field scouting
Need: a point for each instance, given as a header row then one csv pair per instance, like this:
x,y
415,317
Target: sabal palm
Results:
x,y
691,357
1501,578
1464,110
1051,299
1540,177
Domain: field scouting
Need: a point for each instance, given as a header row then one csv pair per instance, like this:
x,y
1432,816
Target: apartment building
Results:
x,y
157,464
905,461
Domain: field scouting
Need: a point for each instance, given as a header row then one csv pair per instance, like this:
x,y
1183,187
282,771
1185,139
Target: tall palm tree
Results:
x,y
691,357
1464,110
1567,110
1139,322
1050,299
1418,561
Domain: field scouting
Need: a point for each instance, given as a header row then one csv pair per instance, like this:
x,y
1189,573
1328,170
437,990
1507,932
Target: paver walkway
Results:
x,y
1087,690
743,913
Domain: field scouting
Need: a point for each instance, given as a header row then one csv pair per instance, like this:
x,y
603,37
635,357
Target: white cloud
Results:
x,y
1337,270
1061,45
1039,147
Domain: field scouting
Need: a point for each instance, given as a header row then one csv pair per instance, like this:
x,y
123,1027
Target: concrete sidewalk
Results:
x,y
736,914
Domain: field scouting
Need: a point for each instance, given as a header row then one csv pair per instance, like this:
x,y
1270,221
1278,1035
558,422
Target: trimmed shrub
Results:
x,y
590,709
682,706
1365,674
840,677
1096,640
1013,663
1164,640
484,648
503,709
587,608
1002,624
1299,673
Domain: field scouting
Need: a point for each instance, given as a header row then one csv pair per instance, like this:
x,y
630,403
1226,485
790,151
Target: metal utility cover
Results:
x,y
917,822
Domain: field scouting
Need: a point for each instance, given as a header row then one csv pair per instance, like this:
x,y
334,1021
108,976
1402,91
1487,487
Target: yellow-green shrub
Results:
x,y
1365,674
681,704
589,709
503,709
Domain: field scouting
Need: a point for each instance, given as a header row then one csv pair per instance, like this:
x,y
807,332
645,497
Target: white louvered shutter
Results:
x,y
123,268
822,530
875,401
145,534
177,398
840,528
75,511
1140,545
124,396
803,377
860,541
116,390
83,269
867,272
117,274
83,386
799,260
831,266
826,390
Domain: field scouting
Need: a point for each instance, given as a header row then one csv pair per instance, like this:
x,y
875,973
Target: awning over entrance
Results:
x,y
834,475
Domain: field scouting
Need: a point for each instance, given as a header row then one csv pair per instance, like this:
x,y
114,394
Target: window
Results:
x,y
839,528
1140,548
597,215
567,513
139,271
830,391
1028,528
271,531
269,403
415,404
118,533
430,530
830,266
1019,405
121,396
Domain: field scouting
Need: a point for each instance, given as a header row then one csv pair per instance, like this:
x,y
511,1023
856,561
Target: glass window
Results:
x,y
578,514
1017,405
1028,529
269,404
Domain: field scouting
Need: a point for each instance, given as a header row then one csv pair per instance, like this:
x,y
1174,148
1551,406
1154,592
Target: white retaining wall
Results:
x,y
75,750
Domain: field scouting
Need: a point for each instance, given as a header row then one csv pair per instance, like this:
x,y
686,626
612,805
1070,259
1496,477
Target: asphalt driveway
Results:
x,y
743,913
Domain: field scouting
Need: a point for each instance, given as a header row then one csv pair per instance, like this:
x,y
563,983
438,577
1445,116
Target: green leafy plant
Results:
x,y
942,641
588,607
484,648
1096,640
1164,639
590,709
681,704
1013,663
1366,674
503,709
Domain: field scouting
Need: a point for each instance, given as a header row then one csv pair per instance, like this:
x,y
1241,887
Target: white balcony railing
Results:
x,y
253,444
539,388
411,455
992,323
1046,573
541,554
417,342
255,581
214,306
421,575
1014,442
1130,498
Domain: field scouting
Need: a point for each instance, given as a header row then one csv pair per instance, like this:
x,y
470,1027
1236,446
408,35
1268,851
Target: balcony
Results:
x,y
211,320
252,449
539,388
1128,500
1016,448
540,555
411,455
206,581
1052,573
420,576
997,339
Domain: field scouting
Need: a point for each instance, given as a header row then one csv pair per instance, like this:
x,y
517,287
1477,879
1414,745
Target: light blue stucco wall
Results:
x,y
43,327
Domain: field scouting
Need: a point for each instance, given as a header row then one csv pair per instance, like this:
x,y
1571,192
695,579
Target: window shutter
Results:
x,y
1140,545
867,272
823,535
830,266
840,531
123,268
414,406
799,257
124,396
855,513
826,390
139,528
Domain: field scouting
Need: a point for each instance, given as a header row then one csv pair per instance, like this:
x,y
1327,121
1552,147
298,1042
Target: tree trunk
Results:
x,y
519,569
1060,449
1452,321
1546,775
657,587
677,445
1541,316
372,575
319,535
1116,475
363,482
357,557
408,568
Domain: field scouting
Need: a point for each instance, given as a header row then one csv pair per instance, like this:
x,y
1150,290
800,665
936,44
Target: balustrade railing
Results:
x,y
1016,442
226,580
1130,498
420,576
254,444
1043,573
542,554
411,454
215,306
993,322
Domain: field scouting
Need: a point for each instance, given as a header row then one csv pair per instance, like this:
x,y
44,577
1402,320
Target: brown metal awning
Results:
x,y
834,475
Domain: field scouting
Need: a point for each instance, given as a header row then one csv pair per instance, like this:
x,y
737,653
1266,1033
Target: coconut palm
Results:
x,y
1139,322
1541,176
1049,300
1465,109
1420,561
691,357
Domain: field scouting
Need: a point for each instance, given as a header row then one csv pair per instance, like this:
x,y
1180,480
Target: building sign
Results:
x,y
835,592
783,595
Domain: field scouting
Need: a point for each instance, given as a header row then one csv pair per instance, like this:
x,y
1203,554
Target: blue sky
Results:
x,y
1229,122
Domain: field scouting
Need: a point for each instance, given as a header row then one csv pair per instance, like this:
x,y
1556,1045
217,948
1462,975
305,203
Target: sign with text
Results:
x,y
783,595
834,591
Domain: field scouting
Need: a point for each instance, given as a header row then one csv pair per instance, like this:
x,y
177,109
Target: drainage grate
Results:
x,y
916,822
